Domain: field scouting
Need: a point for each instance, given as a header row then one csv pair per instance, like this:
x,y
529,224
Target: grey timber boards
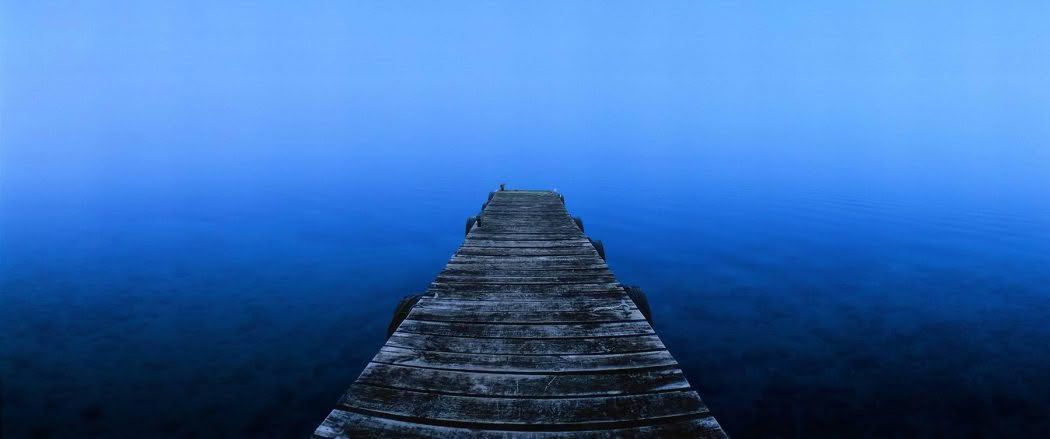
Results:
x,y
525,333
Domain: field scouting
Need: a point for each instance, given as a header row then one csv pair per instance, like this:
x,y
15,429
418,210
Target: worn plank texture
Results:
x,y
525,333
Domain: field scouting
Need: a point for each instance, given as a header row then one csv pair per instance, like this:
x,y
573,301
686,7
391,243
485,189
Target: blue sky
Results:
x,y
887,87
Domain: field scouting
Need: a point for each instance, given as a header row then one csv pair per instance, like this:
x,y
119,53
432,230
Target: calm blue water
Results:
x,y
208,213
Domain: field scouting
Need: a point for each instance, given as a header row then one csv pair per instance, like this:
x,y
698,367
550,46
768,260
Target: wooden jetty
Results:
x,y
525,333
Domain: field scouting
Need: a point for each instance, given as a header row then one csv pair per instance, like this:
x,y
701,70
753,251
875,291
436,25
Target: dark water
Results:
x,y
207,214
797,311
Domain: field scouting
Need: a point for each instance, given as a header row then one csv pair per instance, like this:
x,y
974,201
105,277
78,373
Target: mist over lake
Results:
x,y
209,212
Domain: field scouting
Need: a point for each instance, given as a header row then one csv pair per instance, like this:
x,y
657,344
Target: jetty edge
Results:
x,y
524,333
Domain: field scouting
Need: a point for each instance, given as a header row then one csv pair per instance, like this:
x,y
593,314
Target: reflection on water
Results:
x,y
795,310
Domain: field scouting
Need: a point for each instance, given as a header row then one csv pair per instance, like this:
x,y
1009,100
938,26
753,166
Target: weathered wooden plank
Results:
x,y
524,268
566,279
492,225
515,205
579,305
573,330
476,267
514,220
496,227
556,346
439,287
528,259
527,215
587,265
523,263
511,205
522,235
516,270
522,215
527,317
497,270
535,271
478,234
558,411
520,296
522,385
505,197
482,251
525,204
544,201
568,276
552,219
524,244
512,197
341,424
510,363
518,195
524,211
525,208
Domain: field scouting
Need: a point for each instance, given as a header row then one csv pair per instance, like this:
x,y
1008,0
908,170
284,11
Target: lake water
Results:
x,y
248,307
205,227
